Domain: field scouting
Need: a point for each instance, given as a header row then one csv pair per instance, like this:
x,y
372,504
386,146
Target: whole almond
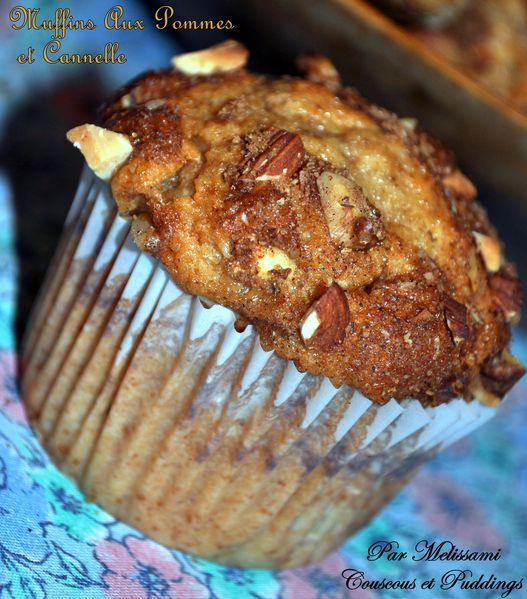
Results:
x,y
324,324
282,157
352,221
456,320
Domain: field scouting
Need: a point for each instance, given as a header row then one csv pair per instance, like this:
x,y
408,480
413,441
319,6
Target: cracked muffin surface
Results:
x,y
346,236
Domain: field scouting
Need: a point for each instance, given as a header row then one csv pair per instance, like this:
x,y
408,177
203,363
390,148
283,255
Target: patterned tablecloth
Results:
x,y
55,545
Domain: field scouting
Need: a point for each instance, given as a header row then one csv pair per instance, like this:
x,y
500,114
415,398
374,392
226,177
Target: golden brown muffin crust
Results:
x,y
344,234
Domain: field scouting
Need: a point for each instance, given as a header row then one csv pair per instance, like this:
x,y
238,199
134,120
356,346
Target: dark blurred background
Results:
x,y
43,169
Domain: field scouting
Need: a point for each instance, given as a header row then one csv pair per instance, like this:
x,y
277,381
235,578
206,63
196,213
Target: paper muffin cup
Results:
x,y
181,426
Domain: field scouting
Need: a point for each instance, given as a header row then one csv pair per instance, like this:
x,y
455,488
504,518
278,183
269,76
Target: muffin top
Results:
x,y
345,235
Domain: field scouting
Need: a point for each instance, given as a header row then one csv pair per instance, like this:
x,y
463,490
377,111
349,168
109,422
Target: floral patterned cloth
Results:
x,y
55,545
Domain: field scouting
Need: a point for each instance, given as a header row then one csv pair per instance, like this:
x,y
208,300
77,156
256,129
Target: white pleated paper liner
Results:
x,y
185,428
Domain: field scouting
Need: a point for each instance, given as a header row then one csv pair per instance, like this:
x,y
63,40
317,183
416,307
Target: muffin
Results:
x,y
317,306
430,12
488,42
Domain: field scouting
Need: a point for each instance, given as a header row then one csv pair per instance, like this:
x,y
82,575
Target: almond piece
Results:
x,y
282,157
319,69
128,100
423,316
507,295
221,58
144,234
274,259
456,320
490,251
351,219
500,372
444,394
460,185
409,123
324,324
205,302
240,323
483,395
104,150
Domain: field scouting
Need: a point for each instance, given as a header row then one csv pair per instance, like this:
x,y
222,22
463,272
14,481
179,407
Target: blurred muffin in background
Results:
x,y
488,41
432,12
